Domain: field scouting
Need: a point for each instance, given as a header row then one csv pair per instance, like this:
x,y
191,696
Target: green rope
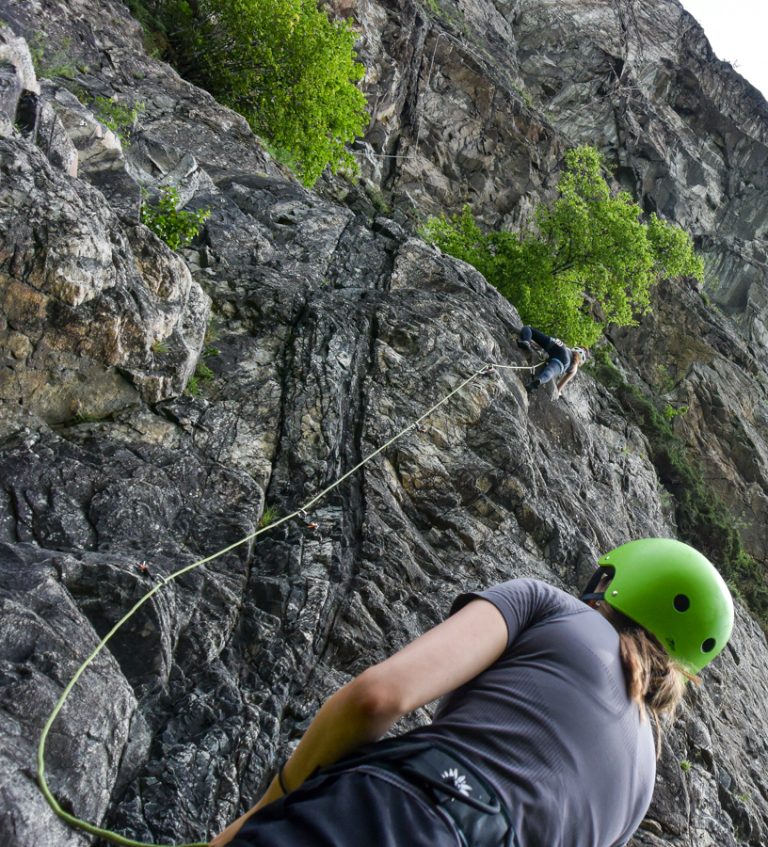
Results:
x,y
114,837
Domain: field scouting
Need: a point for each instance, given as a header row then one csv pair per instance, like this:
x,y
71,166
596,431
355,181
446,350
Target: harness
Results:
x,y
446,781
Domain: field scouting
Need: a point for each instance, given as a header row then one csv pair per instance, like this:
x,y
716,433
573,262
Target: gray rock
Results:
x,y
85,299
17,76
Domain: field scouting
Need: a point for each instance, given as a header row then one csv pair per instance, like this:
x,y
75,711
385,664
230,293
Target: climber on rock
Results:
x,y
544,733
563,362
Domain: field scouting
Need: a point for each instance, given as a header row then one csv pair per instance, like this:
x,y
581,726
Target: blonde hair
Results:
x,y
576,360
654,681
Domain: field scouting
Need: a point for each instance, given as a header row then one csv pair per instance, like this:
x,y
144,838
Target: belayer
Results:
x,y
543,736
563,362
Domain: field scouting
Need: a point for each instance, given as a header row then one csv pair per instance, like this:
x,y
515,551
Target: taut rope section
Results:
x,y
114,837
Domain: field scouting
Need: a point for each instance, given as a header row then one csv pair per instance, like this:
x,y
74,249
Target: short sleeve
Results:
x,y
522,603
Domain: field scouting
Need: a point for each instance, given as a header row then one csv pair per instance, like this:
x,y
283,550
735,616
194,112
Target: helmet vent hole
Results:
x,y
682,603
708,646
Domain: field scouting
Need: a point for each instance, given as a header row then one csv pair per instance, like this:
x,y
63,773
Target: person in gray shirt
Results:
x,y
543,736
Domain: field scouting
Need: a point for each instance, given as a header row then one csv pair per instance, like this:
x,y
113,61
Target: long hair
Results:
x,y
576,360
654,681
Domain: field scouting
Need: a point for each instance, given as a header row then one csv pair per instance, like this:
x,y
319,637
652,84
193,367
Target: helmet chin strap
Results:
x,y
593,595
594,581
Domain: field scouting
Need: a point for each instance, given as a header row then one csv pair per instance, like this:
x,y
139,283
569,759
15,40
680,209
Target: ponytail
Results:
x,y
654,681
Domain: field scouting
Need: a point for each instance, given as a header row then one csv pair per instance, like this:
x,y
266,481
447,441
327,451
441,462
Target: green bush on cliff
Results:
x,y
282,64
590,261
175,226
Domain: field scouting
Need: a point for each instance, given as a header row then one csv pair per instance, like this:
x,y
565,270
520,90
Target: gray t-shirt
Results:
x,y
550,724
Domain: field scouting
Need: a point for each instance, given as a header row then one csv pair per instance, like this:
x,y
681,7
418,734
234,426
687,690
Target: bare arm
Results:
x,y
564,380
439,661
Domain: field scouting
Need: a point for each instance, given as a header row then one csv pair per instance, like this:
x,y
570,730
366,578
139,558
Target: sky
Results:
x,y
737,31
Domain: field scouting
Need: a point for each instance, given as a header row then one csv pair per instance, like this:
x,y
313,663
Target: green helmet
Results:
x,y
675,593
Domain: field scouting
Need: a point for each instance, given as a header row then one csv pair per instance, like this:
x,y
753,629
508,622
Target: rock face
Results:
x,y
329,329
68,265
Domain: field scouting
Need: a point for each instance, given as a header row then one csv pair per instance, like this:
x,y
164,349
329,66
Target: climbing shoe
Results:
x,y
524,345
532,385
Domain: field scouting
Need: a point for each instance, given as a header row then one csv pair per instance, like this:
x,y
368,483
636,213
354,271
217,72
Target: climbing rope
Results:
x,y
301,513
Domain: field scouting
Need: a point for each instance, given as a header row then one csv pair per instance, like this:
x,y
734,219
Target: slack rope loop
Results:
x,y
301,512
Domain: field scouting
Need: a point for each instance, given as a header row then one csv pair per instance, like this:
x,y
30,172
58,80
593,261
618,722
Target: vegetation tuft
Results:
x,y
269,516
203,376
702,517
287,67
193,387
175,226
49,61
119,117
589,261
212,331
204,373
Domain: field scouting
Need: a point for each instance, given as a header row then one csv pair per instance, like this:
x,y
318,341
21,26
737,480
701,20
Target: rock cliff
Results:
x,y
329,328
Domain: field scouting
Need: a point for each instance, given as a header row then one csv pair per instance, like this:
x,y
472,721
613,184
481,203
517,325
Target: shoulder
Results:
x,y
524,589
540,591
525,602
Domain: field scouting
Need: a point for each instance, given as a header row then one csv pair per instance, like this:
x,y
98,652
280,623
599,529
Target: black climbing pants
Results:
x,y
389,794
352,809
559,355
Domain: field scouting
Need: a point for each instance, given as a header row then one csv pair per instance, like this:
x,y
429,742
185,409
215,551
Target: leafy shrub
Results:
x,y
590,262
175,226
283,64
671,412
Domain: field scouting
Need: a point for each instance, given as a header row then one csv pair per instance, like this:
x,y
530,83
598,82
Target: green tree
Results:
x,y
590,261
283,64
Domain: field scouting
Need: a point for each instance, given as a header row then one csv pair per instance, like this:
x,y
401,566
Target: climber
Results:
x,y
543,734
563,361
